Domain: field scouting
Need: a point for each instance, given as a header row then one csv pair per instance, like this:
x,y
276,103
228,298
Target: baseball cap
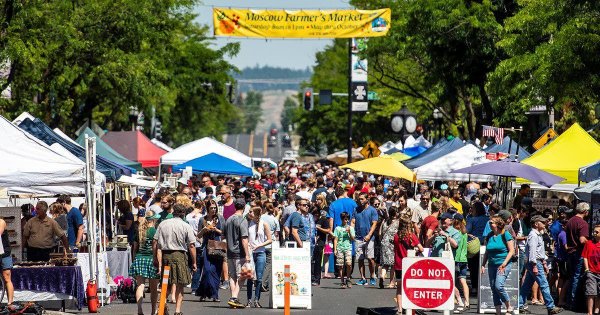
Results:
x,y
458,216
443,186
446,215
538,218
329,184
156,216
504,215
183,181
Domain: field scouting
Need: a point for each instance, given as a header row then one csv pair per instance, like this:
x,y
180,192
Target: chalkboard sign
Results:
x,y
485,300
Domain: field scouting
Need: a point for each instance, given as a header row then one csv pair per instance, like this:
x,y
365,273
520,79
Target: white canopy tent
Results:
x,y
440,168
161,145
420,141
202,147
128,180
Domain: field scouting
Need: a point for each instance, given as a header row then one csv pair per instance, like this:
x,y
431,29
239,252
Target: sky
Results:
x,y
288,53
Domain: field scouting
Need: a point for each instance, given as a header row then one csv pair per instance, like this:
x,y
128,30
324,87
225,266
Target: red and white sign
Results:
x,y
427,283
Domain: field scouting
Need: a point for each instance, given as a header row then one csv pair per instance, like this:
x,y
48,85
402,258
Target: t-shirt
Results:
x,y
323,222
496,249
476,226
174,234
273,226
456,204
430,223
296,221
460,254
194,219
146,245
337,207
363,220
419,214
401,248
343,238
131,231
236,228
561,241
165,215
575,228
439,243
228,210
74,220
591,251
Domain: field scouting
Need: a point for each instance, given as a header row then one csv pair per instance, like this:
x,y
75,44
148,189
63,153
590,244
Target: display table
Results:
x,y
66,281
118,263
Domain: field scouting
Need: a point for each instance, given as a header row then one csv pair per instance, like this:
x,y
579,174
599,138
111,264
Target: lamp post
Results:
x,y
133,116
403,122
437,119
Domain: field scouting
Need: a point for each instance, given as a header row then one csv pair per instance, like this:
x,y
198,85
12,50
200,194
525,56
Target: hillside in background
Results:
x,y
261,78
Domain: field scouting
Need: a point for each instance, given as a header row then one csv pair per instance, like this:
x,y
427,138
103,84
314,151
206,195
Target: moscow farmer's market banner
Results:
x,y
301,23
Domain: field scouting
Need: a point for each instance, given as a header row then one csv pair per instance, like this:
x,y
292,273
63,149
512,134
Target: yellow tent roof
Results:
x,y
382,165
565,155
399,156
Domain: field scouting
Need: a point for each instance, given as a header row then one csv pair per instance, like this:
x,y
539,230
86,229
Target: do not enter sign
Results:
x,y
427,283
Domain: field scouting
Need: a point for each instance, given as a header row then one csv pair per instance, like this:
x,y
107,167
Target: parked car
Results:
x,y
272,141
286,141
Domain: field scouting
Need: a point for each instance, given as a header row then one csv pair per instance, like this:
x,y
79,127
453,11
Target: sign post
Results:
x,y
428,284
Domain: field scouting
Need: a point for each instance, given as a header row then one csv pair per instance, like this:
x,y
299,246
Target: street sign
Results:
x,y
359,91
427,283
547,136
370,150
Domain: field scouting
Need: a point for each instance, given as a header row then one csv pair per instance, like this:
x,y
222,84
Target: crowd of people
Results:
x,y
217,233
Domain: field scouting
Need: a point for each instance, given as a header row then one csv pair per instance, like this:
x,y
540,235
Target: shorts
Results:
x,y
461,270
592,280
562,269
7,263
235,267
365,249
398,274
343,257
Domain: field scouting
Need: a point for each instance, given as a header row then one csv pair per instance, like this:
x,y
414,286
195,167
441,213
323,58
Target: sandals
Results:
x,y
536,302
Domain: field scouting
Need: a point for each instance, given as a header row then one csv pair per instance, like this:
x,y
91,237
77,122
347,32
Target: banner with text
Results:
x,y
270,23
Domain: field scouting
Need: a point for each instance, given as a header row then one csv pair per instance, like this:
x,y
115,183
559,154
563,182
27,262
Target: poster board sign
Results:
x,y
428,283
12,217
277,23
485,300
301,289
541,204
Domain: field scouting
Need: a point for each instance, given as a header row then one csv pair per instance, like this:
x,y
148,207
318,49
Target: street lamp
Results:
x,y
437,119
404,122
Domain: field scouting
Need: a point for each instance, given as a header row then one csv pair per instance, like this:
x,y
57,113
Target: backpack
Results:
x,y
514,258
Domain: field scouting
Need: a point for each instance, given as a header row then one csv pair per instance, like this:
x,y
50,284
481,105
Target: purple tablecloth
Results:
x,y
67,280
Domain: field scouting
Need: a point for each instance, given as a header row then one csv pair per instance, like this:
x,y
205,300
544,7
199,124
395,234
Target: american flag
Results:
x,y
497,133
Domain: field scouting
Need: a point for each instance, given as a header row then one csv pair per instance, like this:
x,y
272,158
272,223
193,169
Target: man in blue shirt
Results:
x,y
296,223
342,204
365,222
74,221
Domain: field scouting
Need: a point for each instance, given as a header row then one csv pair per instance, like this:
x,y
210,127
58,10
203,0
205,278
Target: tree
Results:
x,y
552,59
72,61
252,110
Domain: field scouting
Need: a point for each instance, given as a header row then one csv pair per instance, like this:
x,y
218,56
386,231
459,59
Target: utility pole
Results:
x,y
349,100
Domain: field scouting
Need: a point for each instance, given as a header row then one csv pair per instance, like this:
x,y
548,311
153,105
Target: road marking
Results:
x,y
251,144
265,145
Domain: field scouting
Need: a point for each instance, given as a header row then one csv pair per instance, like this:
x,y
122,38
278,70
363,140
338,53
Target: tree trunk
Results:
x,y
487,106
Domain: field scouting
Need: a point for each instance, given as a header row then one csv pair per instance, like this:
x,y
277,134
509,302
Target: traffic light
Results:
x,y
308,99
158,129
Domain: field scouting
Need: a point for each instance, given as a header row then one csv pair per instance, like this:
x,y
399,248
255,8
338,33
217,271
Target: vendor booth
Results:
x,y
439,169
440,149
202,147
135,146
105,151
215,164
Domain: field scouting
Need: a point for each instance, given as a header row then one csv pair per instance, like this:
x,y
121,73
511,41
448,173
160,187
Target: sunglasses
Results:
x,y
303,204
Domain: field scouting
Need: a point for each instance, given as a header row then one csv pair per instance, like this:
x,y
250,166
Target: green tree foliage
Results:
x,y
290,107
552,49
74,60
252,110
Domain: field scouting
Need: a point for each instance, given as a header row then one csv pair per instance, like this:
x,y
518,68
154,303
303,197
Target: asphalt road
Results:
x,y
256,145
327,299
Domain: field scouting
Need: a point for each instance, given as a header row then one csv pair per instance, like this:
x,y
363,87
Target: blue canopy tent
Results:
x,y
589,173
38,129
438,150
216,164
497,148
414,151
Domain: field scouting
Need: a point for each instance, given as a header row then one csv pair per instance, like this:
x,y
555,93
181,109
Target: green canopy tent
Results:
x,y
105,151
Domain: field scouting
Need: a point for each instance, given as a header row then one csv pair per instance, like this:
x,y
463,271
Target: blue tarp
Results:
x,y
38,129
216,164
438,150
496,148
414,151
589,173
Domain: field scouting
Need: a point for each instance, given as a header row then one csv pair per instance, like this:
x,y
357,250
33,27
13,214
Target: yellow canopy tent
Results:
x,y
382,165
565,155
399,156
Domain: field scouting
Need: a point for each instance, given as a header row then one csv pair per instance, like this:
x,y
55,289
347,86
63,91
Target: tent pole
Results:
x,y
517,144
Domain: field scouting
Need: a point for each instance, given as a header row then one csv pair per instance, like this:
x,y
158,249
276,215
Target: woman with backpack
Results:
x,y
499,252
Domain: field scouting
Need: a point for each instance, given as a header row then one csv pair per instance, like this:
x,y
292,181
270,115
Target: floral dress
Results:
x,y
387,242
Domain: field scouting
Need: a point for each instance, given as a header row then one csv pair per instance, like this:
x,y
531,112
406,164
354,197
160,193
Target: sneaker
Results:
x,y
555,310
250,304
361,282
373,282
235,303
224,285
